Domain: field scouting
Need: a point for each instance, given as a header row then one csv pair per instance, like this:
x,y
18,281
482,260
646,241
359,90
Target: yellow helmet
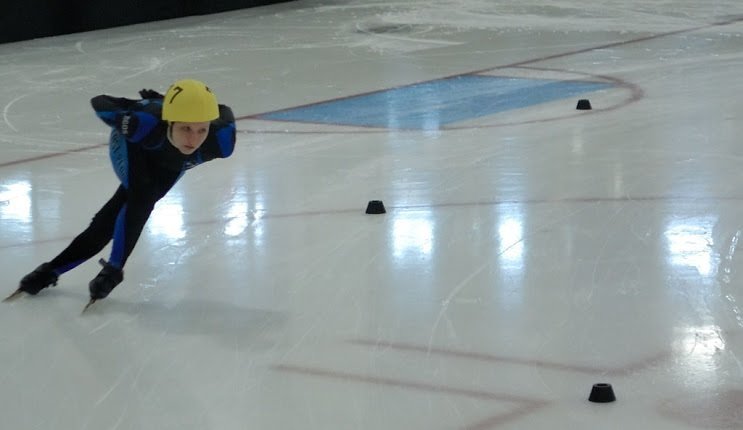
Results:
x,y
189,100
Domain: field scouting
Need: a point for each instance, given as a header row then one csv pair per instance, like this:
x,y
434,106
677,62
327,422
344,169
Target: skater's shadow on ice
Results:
x,y
191,317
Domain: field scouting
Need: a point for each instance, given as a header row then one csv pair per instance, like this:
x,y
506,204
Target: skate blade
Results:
x,y
17,293
90,303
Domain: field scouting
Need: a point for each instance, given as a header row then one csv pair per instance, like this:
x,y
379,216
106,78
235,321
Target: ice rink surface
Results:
x,y
529,249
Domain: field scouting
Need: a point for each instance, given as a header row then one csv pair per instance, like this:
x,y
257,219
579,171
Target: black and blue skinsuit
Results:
x,y
148,166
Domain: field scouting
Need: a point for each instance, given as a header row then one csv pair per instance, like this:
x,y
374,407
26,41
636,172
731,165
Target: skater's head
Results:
x,y
189,108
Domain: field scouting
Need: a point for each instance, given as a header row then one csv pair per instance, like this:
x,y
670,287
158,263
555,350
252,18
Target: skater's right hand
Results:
x,y
150,94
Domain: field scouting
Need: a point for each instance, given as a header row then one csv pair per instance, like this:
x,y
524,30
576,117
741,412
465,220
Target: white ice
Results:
x,y
523,257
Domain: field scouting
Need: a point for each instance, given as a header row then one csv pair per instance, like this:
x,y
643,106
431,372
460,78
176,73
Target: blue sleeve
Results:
x,y
134,119
145,123
226,140
226,131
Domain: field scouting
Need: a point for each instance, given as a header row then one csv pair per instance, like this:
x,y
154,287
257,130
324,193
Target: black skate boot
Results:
x,y
42,277
106,280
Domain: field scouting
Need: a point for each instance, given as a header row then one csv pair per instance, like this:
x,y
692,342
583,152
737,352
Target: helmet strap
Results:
x,y
170,132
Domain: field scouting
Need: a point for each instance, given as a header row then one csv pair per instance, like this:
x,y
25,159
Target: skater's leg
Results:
x,y
130,222
94,238
84,246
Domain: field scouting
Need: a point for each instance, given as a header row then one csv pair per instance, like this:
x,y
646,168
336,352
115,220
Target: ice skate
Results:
x,y
42,277
102,285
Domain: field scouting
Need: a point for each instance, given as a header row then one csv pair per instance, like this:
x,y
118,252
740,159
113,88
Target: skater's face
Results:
x,y
187,137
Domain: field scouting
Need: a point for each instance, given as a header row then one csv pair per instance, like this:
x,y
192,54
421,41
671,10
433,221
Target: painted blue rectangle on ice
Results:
x,y
431,105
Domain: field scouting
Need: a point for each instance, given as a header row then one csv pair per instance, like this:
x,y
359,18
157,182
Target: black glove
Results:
x,y
150,94
127,123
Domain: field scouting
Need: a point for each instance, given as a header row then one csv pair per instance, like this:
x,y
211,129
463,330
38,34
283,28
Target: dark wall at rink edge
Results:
x,y
30,19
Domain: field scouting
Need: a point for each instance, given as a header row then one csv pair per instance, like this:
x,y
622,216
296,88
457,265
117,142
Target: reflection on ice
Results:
x,y
412,233
690,244
167,218
510,238
15,201
237,218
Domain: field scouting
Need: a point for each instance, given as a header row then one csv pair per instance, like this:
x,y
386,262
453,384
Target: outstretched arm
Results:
x,y
221,140
134,119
